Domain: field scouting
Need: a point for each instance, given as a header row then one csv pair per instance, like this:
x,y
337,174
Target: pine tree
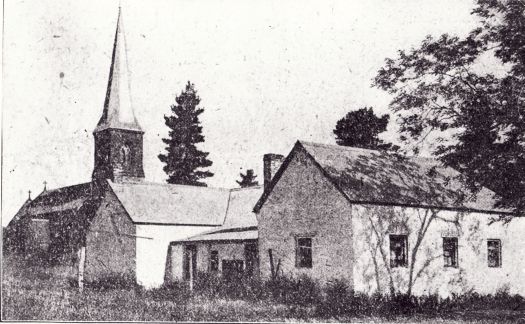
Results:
x,y
184,162
248,179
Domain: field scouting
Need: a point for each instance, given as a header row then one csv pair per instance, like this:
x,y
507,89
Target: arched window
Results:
x,y
125,155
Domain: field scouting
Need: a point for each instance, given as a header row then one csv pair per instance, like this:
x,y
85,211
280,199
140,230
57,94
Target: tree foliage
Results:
x,y
248,179
467,94
184,162
360,128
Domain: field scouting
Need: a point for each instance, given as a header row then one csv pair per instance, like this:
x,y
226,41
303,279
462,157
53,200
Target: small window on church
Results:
x,y
124,155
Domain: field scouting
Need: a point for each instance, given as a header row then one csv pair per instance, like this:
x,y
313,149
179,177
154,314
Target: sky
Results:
x,y
268,73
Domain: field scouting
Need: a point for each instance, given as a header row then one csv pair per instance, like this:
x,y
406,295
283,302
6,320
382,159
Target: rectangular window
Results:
x,y
303,252
450,251
494,253
189,262
398,251
214,261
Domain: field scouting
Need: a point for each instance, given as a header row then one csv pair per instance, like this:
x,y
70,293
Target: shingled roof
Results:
x,y
369,176
240,223
61,199
158,203
240,208
227,235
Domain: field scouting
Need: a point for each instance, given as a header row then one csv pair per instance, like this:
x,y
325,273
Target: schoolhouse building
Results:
x,y
382,222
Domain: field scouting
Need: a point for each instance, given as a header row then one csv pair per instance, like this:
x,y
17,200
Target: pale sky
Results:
x,y
268,73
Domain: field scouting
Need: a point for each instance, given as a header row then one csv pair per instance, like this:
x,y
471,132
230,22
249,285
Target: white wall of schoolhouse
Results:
x,y
431,276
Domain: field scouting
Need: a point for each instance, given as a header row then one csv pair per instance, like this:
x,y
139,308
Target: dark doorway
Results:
x,y
252,259
190,255
232,269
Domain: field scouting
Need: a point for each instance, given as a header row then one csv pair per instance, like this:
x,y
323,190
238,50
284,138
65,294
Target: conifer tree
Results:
x,y
184,162
248,179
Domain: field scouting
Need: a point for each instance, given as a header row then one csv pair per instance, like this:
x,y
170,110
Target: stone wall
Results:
x,y
108,159
305,203
38,238
110,241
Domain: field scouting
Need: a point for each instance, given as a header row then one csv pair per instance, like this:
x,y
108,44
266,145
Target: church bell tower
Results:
x,y
118,135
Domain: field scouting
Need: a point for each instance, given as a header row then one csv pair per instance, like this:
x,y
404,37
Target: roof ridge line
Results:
x,y
353,148
148,183
246,188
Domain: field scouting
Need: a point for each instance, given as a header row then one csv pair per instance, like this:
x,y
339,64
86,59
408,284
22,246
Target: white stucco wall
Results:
x,y
472,273
152,249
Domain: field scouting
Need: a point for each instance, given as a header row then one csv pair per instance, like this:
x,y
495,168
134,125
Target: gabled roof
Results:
x,y
376,177
21,212
240,223
240,208
118,108
61,199
159,203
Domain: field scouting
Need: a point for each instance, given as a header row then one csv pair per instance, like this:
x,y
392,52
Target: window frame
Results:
x,y
300,249
394,263
455,253
214,261
499,253
124,154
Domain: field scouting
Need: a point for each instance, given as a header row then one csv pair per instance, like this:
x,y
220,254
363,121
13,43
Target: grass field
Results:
x,y
31,292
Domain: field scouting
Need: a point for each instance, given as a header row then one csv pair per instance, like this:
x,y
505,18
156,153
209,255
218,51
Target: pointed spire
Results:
x,y
118,109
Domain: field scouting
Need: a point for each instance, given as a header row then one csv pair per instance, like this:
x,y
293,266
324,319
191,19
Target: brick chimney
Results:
x,y
272,162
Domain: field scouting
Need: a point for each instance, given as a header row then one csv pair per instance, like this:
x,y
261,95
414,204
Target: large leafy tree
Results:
x,y
184,162
360,128
467,95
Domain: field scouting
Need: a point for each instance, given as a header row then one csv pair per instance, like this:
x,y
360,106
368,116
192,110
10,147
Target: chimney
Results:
x,y
272,162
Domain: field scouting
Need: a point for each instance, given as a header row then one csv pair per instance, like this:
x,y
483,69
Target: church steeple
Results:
x,y
118,108
118,135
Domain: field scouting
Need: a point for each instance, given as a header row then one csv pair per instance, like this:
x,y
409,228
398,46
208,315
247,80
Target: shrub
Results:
x,y
338,299
302,291
113,281
174,291
244,287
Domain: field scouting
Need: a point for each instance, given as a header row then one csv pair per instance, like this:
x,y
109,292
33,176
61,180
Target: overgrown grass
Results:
x,y
44,292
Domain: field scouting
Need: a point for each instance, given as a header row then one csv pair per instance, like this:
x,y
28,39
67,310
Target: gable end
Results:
x,y
298,147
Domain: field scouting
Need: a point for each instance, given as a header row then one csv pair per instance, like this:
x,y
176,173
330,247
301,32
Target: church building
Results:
x,y
124,223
